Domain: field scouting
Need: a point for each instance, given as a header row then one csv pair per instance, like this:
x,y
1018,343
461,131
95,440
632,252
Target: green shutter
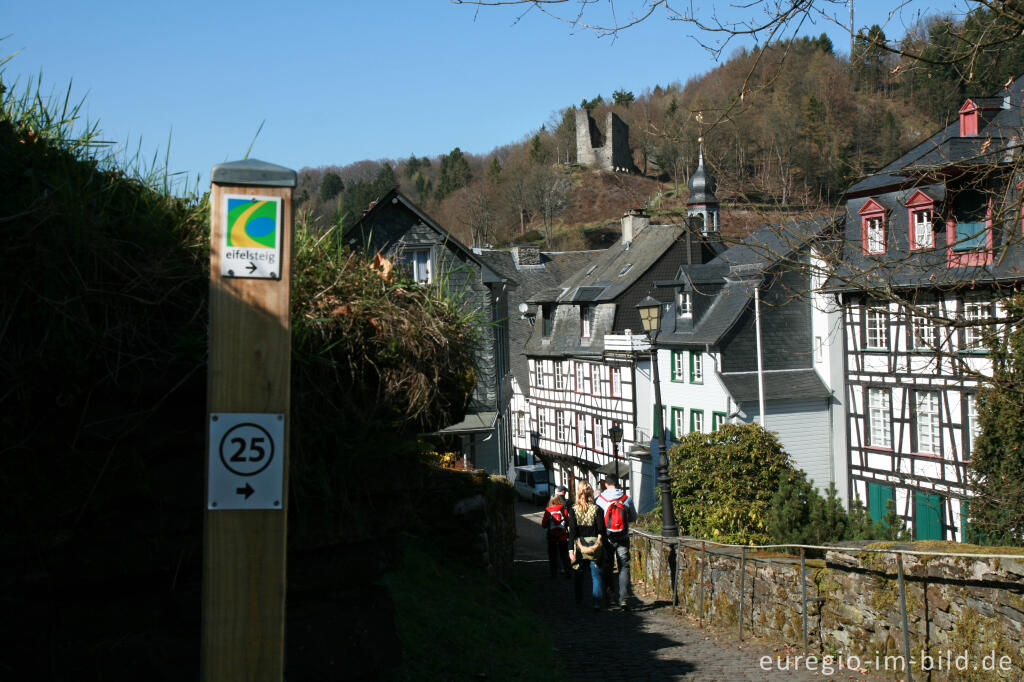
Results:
x,y
717,419
927,516
878,500
965,521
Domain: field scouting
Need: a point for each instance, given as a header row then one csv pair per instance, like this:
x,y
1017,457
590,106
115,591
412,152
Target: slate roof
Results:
x,y
394,196
947,147
780,384
926,167
740,269
524,283
607,276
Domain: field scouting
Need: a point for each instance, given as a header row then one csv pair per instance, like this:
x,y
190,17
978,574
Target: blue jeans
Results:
x,y
596,582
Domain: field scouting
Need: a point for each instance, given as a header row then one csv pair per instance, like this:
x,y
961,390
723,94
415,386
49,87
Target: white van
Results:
x,y
531,483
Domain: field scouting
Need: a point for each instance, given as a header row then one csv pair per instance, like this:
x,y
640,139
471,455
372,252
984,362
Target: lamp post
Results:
x,y
615,433
650,316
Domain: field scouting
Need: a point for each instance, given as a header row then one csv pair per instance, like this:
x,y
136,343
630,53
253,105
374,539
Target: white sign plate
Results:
x,y
246,461
251,246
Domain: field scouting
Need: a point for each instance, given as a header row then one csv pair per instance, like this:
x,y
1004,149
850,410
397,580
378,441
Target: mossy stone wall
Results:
x,y
960,605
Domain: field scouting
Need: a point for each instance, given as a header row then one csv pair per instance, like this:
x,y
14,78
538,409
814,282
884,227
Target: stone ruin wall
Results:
x,y
608,151
954,604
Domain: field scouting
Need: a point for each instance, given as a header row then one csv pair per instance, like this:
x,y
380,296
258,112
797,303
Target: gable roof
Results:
x,y
608,275
396,197
740,270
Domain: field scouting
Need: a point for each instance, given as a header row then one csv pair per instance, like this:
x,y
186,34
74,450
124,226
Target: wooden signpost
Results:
x,y
245,527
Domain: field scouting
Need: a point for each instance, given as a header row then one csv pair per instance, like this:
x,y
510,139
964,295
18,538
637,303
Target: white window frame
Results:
x,y
579,377
678,365
562,426
924,331
875,227
876,327
973,426
697,360
879,417
976,312
697,417
929,428
923,237
599,434
559,376
684,304
616,381
420,266
678,421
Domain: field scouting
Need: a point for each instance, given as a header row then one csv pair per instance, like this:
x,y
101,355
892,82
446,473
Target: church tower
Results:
x,y
702,201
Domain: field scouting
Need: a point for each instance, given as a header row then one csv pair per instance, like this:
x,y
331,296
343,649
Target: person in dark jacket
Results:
x,y
556,529
587,539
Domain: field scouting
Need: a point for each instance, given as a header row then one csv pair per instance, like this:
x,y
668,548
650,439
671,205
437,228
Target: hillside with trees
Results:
x,y
785,130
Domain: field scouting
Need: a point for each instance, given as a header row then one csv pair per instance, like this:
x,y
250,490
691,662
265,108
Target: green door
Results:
x,y
879,497
927,516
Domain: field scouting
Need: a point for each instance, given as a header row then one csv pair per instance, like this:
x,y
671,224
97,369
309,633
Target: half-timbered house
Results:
x,y
932,240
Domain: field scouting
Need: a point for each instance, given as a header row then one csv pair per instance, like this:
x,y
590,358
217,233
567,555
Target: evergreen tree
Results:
x,y
996,470
386,180
330,186
494,171
453,174
828,521
623,97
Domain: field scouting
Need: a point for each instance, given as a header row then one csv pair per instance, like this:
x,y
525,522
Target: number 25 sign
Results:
x,y
245,461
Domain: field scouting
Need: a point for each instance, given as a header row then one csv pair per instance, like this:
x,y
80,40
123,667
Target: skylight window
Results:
x,y
625,269
592,268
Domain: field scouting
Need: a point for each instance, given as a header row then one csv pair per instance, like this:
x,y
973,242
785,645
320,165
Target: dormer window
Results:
x,y
969,233
920,211
684,304
968,119
547,313
872,217
586,321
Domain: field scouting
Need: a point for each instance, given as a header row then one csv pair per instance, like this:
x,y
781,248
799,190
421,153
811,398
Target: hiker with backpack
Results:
x,y
618,512
588,543
556,528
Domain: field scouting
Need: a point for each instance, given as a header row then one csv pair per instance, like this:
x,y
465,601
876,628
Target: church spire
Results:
x,y
702,201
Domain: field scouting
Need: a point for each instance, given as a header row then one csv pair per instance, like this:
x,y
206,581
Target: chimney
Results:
x,y
633,222
526,255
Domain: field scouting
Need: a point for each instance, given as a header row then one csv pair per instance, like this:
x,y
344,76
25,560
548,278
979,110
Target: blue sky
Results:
x,y
338,82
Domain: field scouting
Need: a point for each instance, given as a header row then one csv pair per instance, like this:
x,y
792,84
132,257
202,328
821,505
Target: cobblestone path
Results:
x,y
649,642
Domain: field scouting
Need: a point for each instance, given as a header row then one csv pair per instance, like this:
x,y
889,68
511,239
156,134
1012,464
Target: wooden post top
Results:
x,y
253,172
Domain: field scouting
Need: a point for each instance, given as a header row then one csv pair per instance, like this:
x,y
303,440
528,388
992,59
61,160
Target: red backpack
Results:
x,y
616,517
558,529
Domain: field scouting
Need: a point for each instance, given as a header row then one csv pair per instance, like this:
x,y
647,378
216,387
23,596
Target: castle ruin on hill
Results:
x,y
608,151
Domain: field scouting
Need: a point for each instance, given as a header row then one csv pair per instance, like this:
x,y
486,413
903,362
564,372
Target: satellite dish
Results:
x,y
523,308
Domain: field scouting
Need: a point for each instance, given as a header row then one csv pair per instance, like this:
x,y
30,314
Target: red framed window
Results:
x,y
872,222
969,231
920,212
968,119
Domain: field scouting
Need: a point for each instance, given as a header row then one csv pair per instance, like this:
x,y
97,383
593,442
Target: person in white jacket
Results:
x,y
619,512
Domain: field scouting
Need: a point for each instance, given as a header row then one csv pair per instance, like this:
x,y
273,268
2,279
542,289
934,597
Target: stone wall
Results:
x,y
609,151
956,606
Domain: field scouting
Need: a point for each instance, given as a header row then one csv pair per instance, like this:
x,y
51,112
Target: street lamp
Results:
x,y
650,316
615,433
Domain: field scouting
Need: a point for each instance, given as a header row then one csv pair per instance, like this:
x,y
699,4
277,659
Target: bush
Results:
x,y
723,482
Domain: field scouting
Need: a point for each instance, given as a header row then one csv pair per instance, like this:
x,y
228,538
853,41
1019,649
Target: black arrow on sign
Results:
x,y
251,268
247,491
